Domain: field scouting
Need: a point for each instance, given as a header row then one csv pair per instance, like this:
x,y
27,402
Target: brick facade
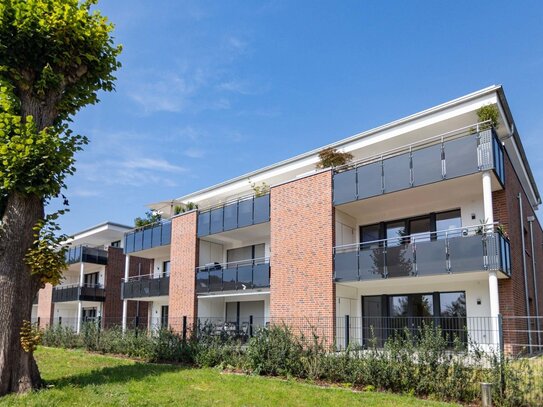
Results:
x,y
512,291
114,273
302,238
45,306
184,259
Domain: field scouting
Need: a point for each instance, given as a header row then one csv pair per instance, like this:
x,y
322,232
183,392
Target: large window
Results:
x,y
420,228
388,315
166,267
241,254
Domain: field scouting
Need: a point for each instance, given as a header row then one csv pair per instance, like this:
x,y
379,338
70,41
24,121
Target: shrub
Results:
x,y
60,337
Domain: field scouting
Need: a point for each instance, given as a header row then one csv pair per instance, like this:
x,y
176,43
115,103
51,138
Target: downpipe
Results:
x,y
526,295
531,220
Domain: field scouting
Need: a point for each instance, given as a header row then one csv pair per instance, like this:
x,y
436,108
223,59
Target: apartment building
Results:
x,y
433,218
90,288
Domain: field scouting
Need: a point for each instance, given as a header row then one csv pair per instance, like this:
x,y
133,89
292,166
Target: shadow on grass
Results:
x,y
115,374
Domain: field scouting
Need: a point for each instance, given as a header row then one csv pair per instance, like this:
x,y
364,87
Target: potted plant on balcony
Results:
x,y
330,157
490,115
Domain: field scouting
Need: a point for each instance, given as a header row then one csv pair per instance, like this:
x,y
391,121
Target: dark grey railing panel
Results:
x,y
215,280
242,213
397,172
245,277
229,279
78,293
262,209
371,263
202,281
346,266
431,257
86,254
231,216
261,275
466,253
400,261
427,165
345,186
216,220
147,238
370,180
461,156
166,233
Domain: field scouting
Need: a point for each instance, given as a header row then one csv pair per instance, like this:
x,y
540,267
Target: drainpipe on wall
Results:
x,y
526,295
125,302
534,276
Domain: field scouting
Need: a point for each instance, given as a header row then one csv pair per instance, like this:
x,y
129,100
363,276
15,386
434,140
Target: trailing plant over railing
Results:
x,y
260,190
489,115
186,207
149,218
331,157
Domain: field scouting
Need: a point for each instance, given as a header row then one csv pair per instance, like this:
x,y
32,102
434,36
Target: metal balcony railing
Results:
x,y
234,276
86,254
240,213
77,292
467,249
454,154
148,285
147,237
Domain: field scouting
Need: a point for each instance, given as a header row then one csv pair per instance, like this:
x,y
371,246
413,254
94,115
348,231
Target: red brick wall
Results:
x,y
302,238
113,305
512,292
184,258
45,305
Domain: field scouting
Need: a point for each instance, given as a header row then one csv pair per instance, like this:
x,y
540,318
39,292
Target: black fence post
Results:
x,y
99,323
347,331
137,322
184,328
38,322
60,321
502,353
250,326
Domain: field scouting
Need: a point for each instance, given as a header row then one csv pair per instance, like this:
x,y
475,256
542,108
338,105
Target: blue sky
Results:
x,y
212,90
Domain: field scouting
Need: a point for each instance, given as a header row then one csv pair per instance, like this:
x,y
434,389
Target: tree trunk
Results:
x,y
18,370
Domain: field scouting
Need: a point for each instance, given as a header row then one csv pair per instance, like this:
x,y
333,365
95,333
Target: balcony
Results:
x,y
148,237
236,276
77,292
86,254
233,215
145,286
439,158
446,252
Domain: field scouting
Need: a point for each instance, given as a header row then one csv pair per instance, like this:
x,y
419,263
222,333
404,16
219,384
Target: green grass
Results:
x,y
75,377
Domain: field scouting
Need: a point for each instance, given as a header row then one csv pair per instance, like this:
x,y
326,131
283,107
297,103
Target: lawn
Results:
x,y
75,377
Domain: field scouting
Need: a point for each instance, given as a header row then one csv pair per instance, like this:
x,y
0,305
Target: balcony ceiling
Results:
x,y
247,234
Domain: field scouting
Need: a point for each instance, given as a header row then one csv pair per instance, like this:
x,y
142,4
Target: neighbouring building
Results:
x,y
90,288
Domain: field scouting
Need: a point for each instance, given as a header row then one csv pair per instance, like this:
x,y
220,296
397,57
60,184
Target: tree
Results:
x,y
55,55
150,218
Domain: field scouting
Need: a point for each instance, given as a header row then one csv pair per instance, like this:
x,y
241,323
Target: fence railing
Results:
x,y
473,248
146,286
233,215
454,154
233,276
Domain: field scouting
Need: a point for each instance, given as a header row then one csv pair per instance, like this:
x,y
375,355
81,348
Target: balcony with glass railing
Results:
x,y
242,212
148,237
234,276
86,254
79,292
145,286
450,155
453,251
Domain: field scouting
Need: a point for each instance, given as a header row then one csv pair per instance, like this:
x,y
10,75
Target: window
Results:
x,y
449,221
166,269
395,233
164,311
116,243
420,229
90,280
370,233
241,254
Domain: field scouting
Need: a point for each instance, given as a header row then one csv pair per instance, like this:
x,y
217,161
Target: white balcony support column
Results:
x,y
79,303
494,295
125,302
